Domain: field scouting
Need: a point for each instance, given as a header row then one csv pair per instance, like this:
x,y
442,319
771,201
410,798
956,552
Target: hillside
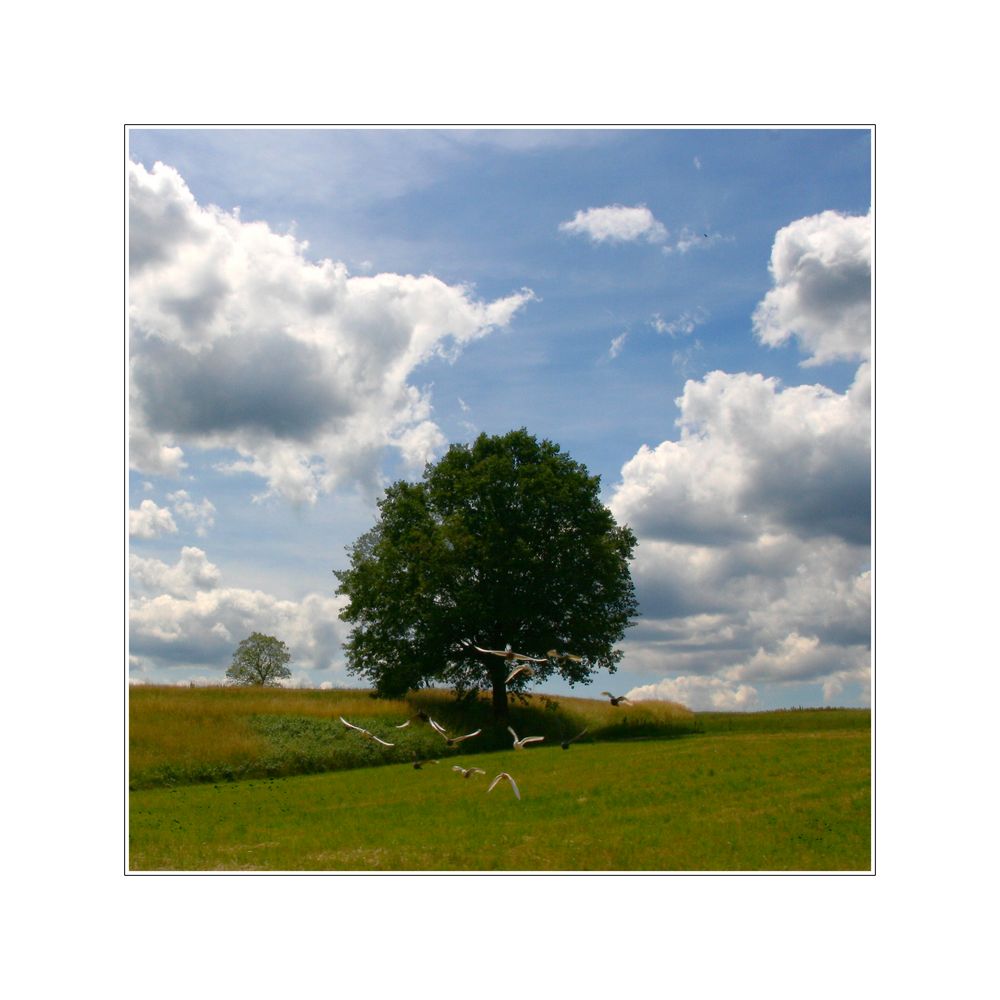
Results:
x,y
188,735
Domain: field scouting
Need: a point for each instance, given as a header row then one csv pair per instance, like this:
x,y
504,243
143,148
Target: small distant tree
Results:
x,y
260,659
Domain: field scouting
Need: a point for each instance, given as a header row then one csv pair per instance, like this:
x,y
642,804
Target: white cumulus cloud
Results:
x,y
754,457
616,224
150,521
200,514
796,657
181,616
753,563
701,694
821,267
191,573
239,341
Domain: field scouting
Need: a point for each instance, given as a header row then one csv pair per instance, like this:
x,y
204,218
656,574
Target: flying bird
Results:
x,y
616,701
418,764
508,654
422,716
554,654
519,744
519,670
500,777
364,732
452,740
565,743
467,772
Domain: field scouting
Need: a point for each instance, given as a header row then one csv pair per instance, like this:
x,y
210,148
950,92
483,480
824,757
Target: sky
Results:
x,y
316,313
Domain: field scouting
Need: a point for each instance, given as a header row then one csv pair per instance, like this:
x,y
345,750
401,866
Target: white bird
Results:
x,y
467,772
422,716
500,777
616,701
554,654
519,744
507,654
364,732
519,670
452,740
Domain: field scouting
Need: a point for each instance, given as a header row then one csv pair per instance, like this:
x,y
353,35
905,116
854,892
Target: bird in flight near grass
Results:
x,y
504,776
554,654
364,732
565,743
418,764
421,715
519,744
508,654
523,669
467,772
617,701
452,740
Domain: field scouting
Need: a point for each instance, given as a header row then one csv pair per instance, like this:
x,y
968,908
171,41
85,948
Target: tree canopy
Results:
x,y
503,542
260,659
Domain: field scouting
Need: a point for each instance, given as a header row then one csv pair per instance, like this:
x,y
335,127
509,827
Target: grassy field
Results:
x,y
185,735
760,792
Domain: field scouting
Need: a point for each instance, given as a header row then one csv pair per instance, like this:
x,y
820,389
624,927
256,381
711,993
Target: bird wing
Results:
x,y
438,729
573,657
512,733
383,742
478,770
456,767
533,739
530,659
404,725
503,775
608,693
575,738
351,725
494,652
516,671
467,736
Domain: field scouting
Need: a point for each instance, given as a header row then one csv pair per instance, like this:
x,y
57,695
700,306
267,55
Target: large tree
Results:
x,y
504,542
260,659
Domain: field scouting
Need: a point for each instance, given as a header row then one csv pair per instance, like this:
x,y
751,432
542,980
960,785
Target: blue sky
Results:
x,y
684,311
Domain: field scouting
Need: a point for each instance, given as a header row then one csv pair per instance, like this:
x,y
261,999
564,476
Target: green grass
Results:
x,y
268,779
734,801
785,720
190,735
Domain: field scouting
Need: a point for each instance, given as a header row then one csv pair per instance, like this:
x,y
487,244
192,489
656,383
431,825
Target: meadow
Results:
x,y
650,788
184,735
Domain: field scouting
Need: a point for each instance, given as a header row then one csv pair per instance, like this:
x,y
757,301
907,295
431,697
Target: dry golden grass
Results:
x,y
179,735
601,714
207,726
